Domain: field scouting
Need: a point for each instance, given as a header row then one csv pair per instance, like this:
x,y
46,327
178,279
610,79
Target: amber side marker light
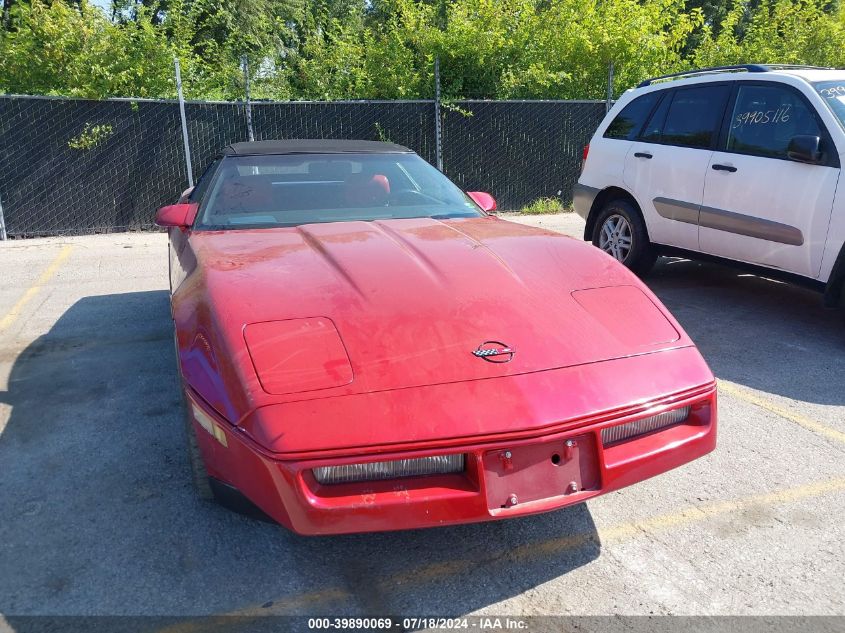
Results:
x,y
629,430
209,425
396,469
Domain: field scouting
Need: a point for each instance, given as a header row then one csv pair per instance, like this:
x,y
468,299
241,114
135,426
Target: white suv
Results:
x,y
736,162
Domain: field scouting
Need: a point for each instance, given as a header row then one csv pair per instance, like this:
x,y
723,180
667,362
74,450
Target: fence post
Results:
x,y
184,123
245,64
438,132
3,235
609,102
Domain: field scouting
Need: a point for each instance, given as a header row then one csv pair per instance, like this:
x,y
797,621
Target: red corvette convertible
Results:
x,y
365,347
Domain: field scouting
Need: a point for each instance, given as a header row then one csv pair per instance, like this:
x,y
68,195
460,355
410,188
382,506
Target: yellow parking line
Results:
x,y
711,510
310,599
622,532
289,604
35,288
764,403
626,531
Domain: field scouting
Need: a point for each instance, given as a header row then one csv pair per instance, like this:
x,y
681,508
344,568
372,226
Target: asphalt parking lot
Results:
x,y
97,514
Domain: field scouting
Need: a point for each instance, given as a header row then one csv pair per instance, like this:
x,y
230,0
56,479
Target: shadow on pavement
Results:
x,y
98,515
765,334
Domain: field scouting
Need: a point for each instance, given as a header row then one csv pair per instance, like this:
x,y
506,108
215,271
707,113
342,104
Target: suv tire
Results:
x,y
620,232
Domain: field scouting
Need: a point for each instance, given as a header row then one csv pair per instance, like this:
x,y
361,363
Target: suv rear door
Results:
x,y
666,165
759,205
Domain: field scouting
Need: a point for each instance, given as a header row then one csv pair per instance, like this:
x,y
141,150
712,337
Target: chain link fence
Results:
x,y
518,150
73,166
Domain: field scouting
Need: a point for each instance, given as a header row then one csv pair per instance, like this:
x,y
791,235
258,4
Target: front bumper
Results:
x,y
545,472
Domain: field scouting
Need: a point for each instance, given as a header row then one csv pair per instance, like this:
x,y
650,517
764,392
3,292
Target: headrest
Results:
x,y
365,190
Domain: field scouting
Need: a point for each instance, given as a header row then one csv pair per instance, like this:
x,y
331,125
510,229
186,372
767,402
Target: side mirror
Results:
x,y
804,148
179,215
483,200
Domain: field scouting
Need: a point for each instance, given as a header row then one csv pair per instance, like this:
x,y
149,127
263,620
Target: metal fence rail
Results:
x,y
73,166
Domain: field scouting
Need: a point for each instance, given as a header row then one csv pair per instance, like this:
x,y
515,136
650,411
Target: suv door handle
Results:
x,y
724,168
642,155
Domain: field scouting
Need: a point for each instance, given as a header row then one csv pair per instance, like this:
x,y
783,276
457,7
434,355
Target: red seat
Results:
x,y
365,190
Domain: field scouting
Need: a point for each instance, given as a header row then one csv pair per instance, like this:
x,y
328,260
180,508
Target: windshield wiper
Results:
x,y
449,216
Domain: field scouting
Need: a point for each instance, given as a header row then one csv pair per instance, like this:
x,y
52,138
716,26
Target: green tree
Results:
x,y
75,50
353,49
780,31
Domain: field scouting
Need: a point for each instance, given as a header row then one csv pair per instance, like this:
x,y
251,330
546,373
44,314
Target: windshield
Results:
x,y
287,190
833,93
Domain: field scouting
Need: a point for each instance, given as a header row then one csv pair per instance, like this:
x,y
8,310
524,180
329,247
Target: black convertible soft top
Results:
x,y
313,146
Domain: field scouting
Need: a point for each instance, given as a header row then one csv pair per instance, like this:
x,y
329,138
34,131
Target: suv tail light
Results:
x,y
584,156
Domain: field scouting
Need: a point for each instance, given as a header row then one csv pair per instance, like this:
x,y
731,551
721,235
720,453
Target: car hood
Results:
x,y
410,301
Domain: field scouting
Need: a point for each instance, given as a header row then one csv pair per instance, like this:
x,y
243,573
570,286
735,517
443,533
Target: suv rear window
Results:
x,y
692,119
630,121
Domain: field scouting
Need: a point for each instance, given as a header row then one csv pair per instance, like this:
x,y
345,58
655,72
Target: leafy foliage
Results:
x,y
349,49
545,205
780,31
60,48
91,136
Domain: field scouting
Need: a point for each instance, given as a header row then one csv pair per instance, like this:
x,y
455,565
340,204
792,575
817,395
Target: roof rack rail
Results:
x,y
750,68
797,67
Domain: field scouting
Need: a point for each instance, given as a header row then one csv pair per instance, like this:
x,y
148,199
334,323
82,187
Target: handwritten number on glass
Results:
x,y
755,117
833,92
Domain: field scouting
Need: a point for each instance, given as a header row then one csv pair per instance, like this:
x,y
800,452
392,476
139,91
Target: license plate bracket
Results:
x,y
534,472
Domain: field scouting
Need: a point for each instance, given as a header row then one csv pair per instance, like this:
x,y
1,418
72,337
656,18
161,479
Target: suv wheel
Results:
x,y
620,232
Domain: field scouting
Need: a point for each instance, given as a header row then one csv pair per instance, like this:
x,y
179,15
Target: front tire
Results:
x,y
199,475
620,232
